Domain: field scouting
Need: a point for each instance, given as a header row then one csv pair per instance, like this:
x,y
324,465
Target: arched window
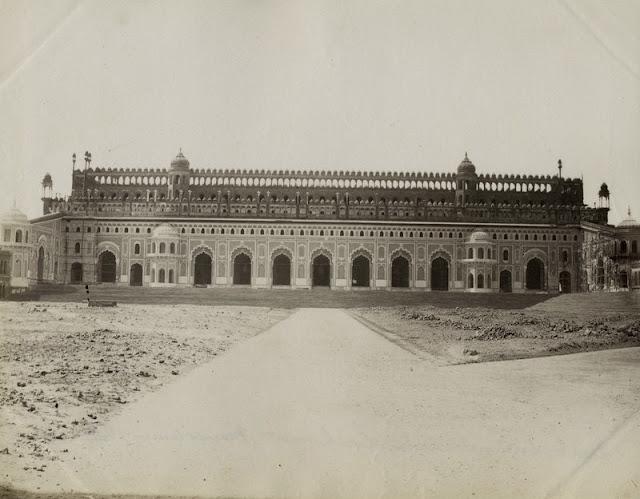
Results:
x,y
470,253
161,275
172,249
470,281
634,247
565,256
171,275
136,249
505,255
162,248
18,236
77,248
153,247
481,253
480,281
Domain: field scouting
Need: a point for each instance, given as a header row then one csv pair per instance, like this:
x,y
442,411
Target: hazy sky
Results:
x,y
393,85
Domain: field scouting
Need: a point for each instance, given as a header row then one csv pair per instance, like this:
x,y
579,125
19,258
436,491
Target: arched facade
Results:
x,y
437,227
440,271
76,273
321,268
281,267
535,274
107,267
202,268
564,281
242,266
135,278
400,269
506,281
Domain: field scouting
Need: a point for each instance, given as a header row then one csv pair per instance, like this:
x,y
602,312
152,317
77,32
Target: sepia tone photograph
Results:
x,y
319,249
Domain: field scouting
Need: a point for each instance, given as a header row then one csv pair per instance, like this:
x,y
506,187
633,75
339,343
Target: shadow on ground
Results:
x,y
281,298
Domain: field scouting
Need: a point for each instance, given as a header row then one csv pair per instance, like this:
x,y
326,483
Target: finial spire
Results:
x,y
629,211
465,156
560,168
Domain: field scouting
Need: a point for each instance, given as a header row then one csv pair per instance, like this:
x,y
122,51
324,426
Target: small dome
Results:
x,y
14,216
466,166
480,236
629,221
46,180
180,161
165,231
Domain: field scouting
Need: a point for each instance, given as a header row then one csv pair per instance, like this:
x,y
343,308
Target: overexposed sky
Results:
x,y
335,85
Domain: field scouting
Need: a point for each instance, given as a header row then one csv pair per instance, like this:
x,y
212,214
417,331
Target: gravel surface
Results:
x,y
461,335
65,368
321,406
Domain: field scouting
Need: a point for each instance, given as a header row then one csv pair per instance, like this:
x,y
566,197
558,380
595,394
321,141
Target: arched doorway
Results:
x,y
321,271
564,280
360,272
440,274
624,280
76,272
40,263
242,269
535,274
400,272
107,267
135,278
281,270
505,282
202,270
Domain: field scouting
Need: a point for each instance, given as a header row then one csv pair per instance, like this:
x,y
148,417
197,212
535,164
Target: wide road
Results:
x,y
322,406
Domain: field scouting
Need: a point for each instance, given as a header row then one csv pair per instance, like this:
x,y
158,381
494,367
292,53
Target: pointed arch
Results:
x,y
241,266
361,268
321,267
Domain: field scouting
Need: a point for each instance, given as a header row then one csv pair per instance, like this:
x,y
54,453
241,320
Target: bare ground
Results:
x,y
464,334
65,368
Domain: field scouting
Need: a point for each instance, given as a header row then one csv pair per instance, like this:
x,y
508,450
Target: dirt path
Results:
x,y
321,406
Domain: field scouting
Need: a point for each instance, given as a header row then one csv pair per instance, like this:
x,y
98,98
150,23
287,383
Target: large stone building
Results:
x,y
458,231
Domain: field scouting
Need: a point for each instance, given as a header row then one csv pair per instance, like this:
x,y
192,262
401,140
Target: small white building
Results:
x,y
16,250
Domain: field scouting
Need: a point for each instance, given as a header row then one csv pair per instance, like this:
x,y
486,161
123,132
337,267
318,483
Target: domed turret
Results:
x,y
466,167
14,216
180,162
466,180
629,222
480,236
165,231
178,176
